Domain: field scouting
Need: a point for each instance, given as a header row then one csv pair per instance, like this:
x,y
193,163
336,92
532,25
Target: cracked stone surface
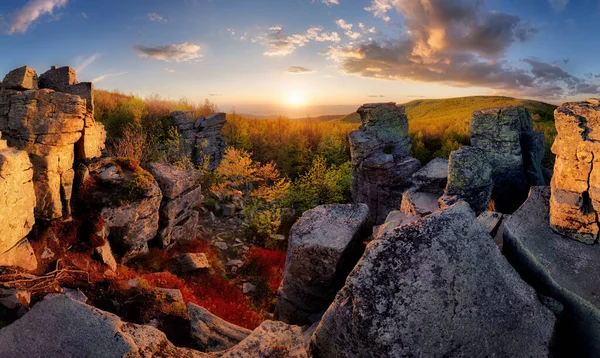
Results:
x,y
437,287
575,186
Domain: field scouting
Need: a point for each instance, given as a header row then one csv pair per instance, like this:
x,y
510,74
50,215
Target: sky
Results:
x,y
312,57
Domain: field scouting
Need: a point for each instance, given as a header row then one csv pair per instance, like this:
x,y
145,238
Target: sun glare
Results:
x,y
295,99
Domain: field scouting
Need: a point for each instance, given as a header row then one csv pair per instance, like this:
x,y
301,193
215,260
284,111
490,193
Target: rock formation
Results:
x,y
514,151
17,203
558,267
49,124
469,179
433,177
324,246
575,200
181,195
381,162
211,333
437,287
416,203
202,138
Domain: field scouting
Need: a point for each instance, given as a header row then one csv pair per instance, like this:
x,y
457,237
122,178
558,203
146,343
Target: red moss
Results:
x,y
268,264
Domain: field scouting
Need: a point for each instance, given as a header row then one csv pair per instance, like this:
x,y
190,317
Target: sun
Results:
x,y
295,99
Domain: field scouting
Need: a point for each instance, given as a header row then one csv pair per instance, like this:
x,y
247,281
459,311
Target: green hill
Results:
x,y
438,126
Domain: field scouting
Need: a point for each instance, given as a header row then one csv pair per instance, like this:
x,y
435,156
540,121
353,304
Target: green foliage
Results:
x,y
322,184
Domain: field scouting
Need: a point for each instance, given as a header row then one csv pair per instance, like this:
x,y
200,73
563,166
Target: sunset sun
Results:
x,y
295,99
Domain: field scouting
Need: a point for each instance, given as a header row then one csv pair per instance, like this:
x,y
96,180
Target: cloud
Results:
x,y
280,44
108,75
83,62
558,5
329,2
461,44
380,8
23,18
342,24
156,17
215,95
169,70
184,52
299,70
376,96
84,15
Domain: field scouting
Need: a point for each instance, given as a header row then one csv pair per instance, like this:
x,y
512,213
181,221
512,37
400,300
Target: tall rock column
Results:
x,y
575,187
514,151
381,163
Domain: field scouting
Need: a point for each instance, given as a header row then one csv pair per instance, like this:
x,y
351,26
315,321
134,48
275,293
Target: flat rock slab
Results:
x,y
211,333
433,177
417,203
557,266
438,287
191,262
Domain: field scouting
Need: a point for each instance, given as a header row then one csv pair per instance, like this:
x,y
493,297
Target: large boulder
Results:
x,y
514,151
437,287
469,179
381,164
270,339
433,177
558,267
324,246
62,327
21,79
417,203
211,333
575,186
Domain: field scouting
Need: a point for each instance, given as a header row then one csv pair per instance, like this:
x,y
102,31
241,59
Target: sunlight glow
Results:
x,y
295,99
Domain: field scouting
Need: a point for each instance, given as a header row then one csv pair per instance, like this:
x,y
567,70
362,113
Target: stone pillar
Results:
x,y
381,163
575,187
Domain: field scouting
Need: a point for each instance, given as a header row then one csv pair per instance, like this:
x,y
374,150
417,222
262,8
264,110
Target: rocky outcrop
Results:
x,y
575,200
560,268
514,151
62,327
324,246
394,220
17,203
201,137
126,200
437,287
381,164
469,179
493,223
433,177
212,334
271,339
416,203
48,124
181,195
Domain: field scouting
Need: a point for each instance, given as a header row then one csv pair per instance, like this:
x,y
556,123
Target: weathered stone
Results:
x,y
394,219
58,78
92,142
247,287
210,333
433,177
437,287
184,230
62,327
493,223
575,200
228,210
416,203
13,298
514,151
171,211
210,143
325,244
560,268
174,181
106,256
381,165
17,197
21,79
85,90
173,295
469,179
271,339
191,262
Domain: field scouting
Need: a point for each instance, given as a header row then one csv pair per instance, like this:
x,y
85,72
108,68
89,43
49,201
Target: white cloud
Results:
x,y
156,17
184,52
380,8
84,15
83,62
558,5
342,24
169,70
299,70
26,16
329,2
108,75
280,44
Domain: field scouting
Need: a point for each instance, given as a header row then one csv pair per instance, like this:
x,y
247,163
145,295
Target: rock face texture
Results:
x,y
437,287
514,151
127,200
558,267
202,138
433,177
211,333
469,179
416,203
17,203
49,124
271,339
381,164
324,245
575,200
181,194
62,327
